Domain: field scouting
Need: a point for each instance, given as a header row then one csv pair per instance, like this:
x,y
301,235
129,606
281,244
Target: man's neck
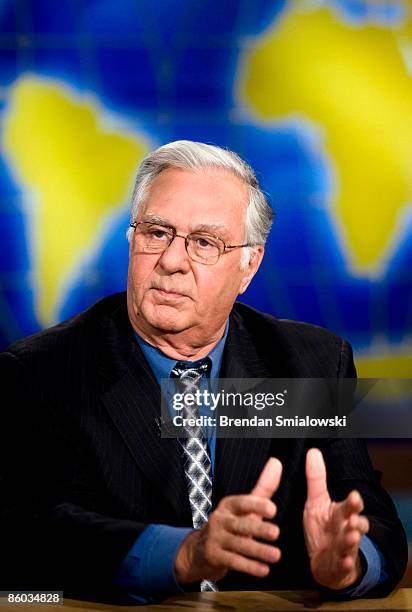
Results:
x,y
180,346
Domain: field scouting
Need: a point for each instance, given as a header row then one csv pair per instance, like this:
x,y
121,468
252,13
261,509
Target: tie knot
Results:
x,y
190,373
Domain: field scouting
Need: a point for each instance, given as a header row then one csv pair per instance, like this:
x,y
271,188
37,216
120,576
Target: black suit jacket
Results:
x,y
84,470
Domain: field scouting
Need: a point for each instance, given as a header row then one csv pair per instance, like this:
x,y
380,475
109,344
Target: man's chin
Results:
x,y
169,327
168,320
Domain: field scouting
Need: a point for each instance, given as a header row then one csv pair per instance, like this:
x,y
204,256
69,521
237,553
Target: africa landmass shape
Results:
x,y
352,82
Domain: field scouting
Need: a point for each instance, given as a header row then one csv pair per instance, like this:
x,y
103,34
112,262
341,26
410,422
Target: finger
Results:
x,y
357,522
247,547
238,563
246,504
351,541
316,475
353,504
355,529
269,479
348,544
251,527
348,563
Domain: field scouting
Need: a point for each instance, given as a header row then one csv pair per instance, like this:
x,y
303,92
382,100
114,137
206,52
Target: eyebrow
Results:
x,y
203,227
210,228
157,219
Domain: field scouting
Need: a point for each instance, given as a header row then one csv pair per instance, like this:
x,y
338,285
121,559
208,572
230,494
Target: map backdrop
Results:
x,y
316,95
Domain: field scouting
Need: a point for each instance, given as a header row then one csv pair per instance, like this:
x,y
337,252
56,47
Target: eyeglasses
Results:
x,y
201,247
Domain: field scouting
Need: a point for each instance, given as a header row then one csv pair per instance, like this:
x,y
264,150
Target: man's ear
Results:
x,y
256,257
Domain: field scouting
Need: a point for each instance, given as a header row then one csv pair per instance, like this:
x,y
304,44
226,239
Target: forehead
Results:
x,y
189,198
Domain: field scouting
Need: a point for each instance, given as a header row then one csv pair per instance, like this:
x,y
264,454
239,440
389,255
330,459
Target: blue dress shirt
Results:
x,y
147,572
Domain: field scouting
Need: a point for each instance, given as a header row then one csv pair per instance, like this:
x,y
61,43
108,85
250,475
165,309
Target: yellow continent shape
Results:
x,y
385,364
76,173
352,81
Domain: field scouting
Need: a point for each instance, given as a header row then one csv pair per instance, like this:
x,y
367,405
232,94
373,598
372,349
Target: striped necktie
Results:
x,y
195,453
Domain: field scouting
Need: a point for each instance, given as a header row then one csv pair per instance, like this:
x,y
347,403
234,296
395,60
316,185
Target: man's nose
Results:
x,y
175,257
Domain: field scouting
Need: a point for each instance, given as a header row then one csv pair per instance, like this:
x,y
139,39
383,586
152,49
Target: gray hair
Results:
x,y
189,155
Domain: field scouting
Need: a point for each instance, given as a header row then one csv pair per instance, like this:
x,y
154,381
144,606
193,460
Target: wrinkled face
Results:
x,y
170,293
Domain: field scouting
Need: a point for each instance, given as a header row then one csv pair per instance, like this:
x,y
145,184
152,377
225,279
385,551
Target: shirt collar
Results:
x,y
162,365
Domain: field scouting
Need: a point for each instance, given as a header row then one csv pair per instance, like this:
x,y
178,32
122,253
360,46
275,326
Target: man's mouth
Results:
x,y
170,294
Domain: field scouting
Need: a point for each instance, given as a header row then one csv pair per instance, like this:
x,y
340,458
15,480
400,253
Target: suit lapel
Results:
x,y
238,462
132,399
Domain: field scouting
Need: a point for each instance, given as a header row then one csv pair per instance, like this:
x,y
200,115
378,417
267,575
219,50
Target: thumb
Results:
x,y
316,475
269,479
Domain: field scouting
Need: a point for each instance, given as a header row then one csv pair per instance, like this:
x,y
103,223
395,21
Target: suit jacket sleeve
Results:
x,y
54,534
349,467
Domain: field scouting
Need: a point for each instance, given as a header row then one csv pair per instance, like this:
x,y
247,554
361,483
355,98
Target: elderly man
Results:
x,y
98,504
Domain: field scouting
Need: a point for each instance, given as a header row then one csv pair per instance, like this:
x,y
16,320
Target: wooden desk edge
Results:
x,y
244,601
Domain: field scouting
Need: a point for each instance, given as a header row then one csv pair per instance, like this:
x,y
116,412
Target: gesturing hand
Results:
x,y
333,530
226,542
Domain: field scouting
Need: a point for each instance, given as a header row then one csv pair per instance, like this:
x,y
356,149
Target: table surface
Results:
x,y
249,601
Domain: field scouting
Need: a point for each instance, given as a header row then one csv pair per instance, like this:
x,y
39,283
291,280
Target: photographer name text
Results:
x,y
255,421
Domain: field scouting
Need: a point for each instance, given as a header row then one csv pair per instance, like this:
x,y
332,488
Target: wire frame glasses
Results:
x,y
200,246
